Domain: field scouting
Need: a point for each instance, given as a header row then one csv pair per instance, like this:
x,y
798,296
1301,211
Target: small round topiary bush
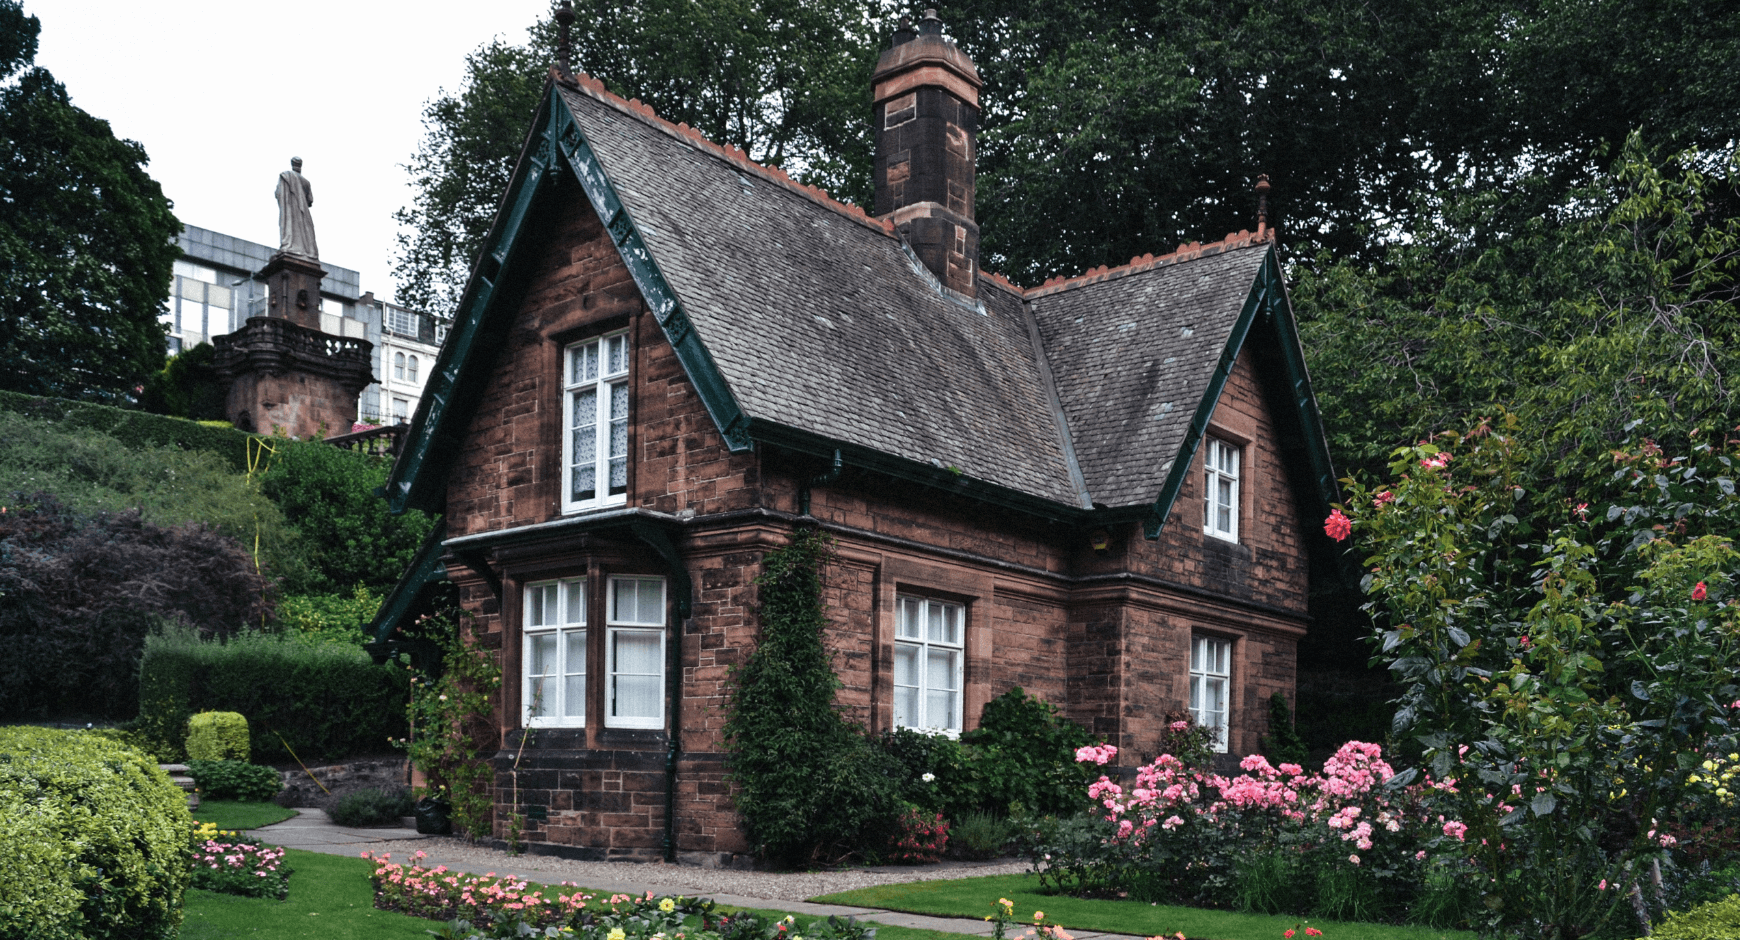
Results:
x,y
372,807
97,839
217,736
234,780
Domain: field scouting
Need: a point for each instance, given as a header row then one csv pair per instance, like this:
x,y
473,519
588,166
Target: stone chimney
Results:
x,y
927,128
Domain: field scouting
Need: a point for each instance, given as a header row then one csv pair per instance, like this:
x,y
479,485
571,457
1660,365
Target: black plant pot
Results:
x,y
432,816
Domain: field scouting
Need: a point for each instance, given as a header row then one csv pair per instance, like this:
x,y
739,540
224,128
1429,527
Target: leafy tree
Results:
x,y
811,785
187,386
86,234
327,493
785,80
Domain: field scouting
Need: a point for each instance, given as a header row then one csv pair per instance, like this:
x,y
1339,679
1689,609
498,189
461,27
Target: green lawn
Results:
x,y
330,899
973,897
232,814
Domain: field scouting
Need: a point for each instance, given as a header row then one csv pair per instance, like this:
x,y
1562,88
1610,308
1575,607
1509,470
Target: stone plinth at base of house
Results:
x,y
735,861
379,774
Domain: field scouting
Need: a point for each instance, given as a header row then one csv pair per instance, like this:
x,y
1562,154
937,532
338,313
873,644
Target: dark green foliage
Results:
x,y
812,785
187,387
786,80
234,780
87,237
1024,752
979,835
79,594
956,788
133,429
96,839
372,807
1282,743
327,700
327,493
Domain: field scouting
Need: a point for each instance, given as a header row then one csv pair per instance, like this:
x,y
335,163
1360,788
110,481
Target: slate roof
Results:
x,y
822,321
1132,356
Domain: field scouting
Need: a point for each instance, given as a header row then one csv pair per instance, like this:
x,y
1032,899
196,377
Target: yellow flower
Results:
x,y
617,934
667,905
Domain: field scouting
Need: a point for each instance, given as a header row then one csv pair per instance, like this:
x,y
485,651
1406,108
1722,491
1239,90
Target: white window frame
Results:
x,y
639,622
917,639
1221,460
567,625
603,383
1211,667
399,366
411,366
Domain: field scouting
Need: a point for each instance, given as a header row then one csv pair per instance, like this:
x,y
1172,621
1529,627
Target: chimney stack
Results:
x,y
927,126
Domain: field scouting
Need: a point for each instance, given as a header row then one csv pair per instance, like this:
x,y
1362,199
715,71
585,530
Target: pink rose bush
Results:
x,y
1177,833
235,864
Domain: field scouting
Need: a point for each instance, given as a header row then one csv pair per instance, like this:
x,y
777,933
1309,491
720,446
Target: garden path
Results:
x,y
313,831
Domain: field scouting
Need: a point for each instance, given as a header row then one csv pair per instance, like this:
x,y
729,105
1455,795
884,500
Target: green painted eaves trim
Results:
x,y
1268,298
425,569
660,298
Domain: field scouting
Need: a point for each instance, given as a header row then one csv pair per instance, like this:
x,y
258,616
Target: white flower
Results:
x,y
928,778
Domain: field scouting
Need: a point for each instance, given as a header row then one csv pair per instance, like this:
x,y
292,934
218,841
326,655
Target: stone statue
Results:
x,y
295,223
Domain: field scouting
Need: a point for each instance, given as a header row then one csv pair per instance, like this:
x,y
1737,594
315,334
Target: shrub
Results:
x,y
1024,752
133,429
451,713
1282,745
372,807
1717,920
235,780
919,837
812,785
217,736
327,493
981,835
343,618
96,839
187,386
78,594
320,700
932,771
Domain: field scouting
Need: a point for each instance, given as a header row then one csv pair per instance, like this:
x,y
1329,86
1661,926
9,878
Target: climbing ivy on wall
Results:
x,y
811,785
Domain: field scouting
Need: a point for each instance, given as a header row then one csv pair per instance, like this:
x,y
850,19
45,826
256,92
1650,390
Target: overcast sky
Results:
x,y
223,94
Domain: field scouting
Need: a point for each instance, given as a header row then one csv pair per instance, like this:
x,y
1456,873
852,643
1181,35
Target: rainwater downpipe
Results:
x,y
824,479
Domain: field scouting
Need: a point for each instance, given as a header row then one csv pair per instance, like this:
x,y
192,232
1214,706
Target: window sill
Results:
x,y
581,510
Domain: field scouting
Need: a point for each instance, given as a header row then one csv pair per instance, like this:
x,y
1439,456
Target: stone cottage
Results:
x,y
1103,489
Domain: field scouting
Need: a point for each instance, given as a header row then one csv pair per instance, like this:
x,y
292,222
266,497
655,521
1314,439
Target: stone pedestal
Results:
x,y
293,290
283,376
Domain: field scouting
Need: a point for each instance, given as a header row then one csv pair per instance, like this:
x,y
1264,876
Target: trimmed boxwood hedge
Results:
x,y
134,428
1717,920
327,700
96,839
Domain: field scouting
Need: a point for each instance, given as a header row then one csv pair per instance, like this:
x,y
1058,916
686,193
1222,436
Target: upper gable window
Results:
x,y
595,416
1221,491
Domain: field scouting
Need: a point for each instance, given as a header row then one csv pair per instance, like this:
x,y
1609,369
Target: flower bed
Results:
x,y
514,908
231,863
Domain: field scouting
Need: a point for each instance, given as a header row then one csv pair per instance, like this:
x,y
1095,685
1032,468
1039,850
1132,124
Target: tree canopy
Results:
x,y
86,234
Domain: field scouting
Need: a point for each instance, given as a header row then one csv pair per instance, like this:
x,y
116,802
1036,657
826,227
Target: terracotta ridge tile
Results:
x,y
772,174
1140,263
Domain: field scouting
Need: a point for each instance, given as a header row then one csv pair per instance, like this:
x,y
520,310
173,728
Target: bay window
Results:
x,y
635,650
595,423
553,690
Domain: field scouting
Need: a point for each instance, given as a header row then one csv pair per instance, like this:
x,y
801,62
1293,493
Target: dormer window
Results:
x,y
595,421
1221,491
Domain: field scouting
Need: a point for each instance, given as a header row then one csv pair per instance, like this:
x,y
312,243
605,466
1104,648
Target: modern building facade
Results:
x,y
217,287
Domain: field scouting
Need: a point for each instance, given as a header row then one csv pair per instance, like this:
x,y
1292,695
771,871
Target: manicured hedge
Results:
x,y
217,736
327,700
1717,920
96,839
134,428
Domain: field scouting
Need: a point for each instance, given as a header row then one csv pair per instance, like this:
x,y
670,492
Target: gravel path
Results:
x,y
684,879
